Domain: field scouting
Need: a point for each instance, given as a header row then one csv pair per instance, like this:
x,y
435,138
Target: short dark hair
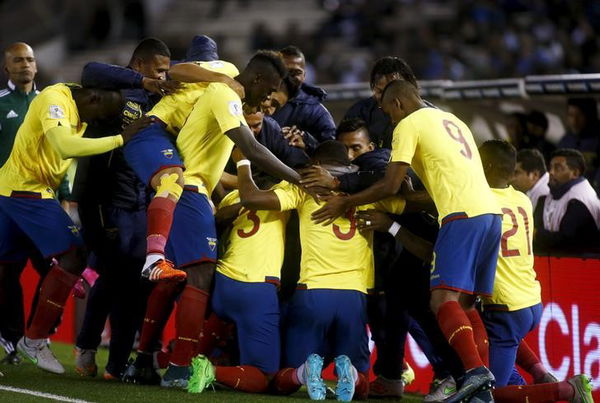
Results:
x,y
389,65
575,159
587,106
269,58
538,118
292,51
531,160
149,48
351,125
501,155
400,89
332,152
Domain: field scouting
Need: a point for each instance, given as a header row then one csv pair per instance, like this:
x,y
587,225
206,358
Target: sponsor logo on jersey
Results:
x,y
12,114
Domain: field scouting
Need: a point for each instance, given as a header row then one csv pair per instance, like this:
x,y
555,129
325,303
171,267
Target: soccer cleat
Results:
x,y
141,371
548,378
583,389
483,396
408,375
440,390
85,362
12,358
176,377
38,352
344,390
203,375
163,270
107,376
476,380
383,387
312,375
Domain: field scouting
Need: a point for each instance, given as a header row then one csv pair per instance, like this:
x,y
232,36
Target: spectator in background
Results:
x,y
516,128
537,127
304,108
567,219
530,175
583,132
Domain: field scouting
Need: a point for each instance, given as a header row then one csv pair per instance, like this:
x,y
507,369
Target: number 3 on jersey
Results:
x,y
506,235
251,215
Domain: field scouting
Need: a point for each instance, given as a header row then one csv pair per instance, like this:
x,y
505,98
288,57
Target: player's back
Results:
x,y
335,256
443,153
34,165
202,142
174,109
254,246
515,285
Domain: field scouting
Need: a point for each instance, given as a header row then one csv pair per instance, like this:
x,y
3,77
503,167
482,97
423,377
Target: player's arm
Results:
x,y
226,215
69,146
380,221
388,186
251,196
111,77
260,155
193,73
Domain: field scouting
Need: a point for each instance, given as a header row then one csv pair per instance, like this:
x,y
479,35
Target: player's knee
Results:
x,y
200,275
73,261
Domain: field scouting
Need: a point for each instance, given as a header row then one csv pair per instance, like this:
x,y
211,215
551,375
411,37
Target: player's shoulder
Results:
x,y
230,199
519,197
221,66
60,91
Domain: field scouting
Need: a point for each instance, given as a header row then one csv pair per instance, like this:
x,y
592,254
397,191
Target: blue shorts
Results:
x,y
193,236
254,308
150,151
329,323
505,332
466,254
42,221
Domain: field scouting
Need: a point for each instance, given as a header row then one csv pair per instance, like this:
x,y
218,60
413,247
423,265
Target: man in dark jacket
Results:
x,y
304,108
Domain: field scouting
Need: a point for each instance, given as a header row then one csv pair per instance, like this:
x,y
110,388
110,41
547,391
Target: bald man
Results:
x,y
20,66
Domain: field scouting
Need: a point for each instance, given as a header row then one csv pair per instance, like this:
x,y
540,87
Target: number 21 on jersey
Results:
x,y
511,232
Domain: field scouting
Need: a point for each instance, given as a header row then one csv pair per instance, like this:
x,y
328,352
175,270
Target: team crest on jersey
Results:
x,y
168,153
56,112
235,108
212,243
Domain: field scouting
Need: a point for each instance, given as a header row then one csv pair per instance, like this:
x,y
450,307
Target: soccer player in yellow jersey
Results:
x,y
441,150
46,142
515,308
327,314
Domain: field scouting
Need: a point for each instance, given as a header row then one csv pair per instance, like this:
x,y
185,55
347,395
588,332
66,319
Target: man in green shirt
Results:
x,y
20,66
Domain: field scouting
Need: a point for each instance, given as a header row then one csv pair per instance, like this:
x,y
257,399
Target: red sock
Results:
x,y
361,390
480,336
54,292
189,319
545,392
163,358
160,218
285,382
160,305
245,378
212,332
457,328
530,362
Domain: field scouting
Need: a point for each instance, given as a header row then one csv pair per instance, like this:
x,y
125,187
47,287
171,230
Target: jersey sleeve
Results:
x,y
404,141
230,199
219,66
394,205
226,107
289,195
52,110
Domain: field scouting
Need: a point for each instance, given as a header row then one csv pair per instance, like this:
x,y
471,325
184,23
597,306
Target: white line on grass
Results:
x,y
42,394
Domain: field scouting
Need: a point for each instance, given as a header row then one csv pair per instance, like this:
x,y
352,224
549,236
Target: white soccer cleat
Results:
x,y
38,352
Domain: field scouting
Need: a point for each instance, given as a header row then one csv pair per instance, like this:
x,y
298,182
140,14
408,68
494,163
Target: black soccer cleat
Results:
x,y
141,371
476,380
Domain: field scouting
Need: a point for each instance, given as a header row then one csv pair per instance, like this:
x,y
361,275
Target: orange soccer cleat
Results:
x,y
163,270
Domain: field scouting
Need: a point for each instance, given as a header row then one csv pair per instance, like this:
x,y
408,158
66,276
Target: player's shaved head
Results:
x,y
400,89
399,99
262,76
331,152
499,159
20,65
97,104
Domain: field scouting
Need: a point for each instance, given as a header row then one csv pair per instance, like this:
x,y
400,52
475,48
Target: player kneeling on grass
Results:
x,y
515,307
327,314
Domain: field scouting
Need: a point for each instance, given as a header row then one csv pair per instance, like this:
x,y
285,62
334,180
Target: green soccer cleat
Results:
x,y
583,389
203,375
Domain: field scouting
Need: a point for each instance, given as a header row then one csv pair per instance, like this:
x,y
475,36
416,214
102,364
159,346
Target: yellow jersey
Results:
x,y
174,109
202,143
441,150
34,168
515,286
255,245
335,256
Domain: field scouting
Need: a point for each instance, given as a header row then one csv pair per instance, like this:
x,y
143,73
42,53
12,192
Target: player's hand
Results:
x,y
236,86
134,127
317,176
236,155
335,207
160,87
373,220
